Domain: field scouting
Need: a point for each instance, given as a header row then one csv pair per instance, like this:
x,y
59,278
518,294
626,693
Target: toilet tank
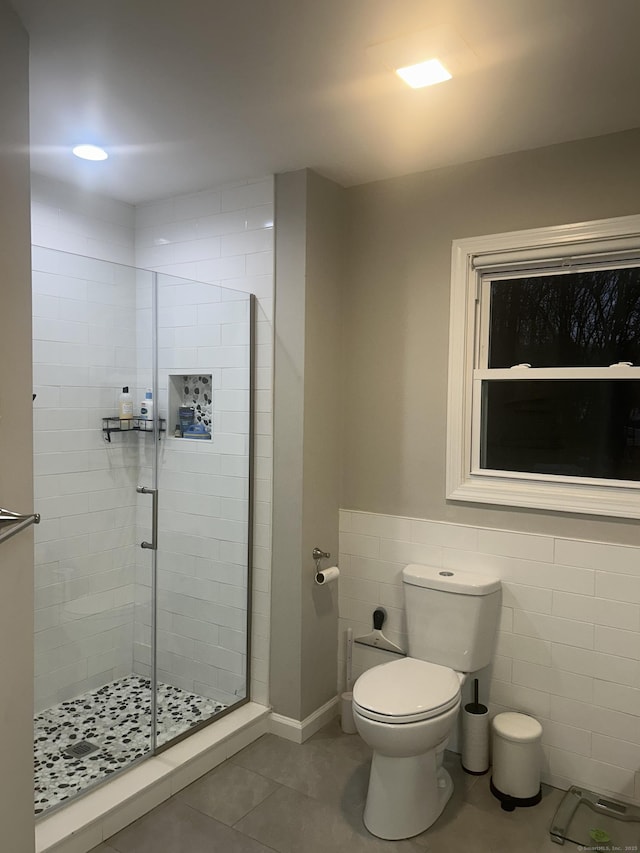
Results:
x,y
452,616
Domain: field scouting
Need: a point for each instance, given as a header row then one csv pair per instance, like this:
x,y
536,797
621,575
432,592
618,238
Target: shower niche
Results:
x,y
191,405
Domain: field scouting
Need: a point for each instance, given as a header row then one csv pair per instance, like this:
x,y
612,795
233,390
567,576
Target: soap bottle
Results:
x,y
146,406
125,408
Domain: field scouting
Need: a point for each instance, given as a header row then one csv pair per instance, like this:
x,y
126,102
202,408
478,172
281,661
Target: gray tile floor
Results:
x,y
278,796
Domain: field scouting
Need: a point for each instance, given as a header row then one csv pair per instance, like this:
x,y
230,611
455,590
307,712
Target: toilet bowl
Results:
x,y
405,711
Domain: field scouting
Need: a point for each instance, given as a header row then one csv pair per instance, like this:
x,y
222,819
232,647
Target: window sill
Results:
x,y
558,497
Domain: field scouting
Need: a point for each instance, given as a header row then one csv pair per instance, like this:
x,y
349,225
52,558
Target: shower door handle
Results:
x,y
144,490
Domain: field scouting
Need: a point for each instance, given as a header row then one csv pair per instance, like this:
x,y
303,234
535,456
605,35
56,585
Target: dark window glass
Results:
x,y
586,428
587,319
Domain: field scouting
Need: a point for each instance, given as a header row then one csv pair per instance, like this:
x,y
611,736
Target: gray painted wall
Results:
x,y
288,405
16,455
321,457
396,315
309,261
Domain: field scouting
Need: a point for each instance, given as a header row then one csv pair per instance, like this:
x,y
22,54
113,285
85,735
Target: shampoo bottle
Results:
x,y
146,406
125,407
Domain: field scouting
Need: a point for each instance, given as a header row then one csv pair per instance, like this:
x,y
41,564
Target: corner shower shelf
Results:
x,y
116,424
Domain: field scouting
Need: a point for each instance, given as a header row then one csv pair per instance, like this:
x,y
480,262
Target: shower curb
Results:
x,y
97,815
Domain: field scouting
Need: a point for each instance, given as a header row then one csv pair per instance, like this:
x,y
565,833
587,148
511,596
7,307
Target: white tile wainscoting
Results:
x,y
568,648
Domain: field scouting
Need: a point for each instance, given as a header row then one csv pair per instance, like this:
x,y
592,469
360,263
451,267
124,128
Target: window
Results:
x,y
544,369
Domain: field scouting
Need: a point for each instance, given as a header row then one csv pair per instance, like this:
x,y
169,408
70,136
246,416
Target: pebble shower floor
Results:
x,y
117,719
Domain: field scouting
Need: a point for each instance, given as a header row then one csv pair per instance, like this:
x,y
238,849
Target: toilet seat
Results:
x,y
406,691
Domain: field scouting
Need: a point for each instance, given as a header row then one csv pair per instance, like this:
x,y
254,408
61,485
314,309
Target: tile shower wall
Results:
x,y
72,220
84,348
223,236
568,647
202,550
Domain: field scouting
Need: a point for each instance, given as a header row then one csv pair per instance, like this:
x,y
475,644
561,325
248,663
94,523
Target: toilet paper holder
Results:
x,y
323,576
318,554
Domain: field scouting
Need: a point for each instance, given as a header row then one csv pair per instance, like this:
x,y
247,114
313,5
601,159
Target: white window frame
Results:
x,y
606,241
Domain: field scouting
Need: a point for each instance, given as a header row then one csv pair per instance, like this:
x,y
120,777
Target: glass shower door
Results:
x,y
202,390
93,696
136,646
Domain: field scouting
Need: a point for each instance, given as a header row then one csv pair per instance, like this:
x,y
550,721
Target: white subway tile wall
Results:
x,y
568,649
92,335
202,556
69,219
223,239
83,349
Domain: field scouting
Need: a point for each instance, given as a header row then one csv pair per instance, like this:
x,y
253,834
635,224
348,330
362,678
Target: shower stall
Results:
x,y
142,565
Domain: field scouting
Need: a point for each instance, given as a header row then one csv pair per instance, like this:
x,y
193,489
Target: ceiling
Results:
x,y
189,94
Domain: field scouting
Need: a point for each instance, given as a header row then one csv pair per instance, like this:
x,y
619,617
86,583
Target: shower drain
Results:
x,y
80,749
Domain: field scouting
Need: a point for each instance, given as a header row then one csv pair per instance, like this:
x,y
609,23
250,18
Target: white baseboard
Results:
x,y
300,731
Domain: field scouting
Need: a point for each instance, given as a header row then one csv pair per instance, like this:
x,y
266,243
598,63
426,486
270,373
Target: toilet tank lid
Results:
x,y
463,583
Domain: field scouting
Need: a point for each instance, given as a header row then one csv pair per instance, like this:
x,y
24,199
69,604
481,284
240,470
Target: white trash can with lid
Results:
x,y
516,742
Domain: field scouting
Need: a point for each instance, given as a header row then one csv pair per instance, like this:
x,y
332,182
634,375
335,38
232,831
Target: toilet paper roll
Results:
x,y
475,741
328,575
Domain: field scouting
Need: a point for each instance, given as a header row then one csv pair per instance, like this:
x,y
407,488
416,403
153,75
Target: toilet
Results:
x,y
406,710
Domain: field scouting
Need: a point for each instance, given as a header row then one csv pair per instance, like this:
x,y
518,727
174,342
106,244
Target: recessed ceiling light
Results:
x,y
90,152
406,55
424,74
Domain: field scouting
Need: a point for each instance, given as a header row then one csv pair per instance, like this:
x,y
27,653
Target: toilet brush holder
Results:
x,y
346,713
475,736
